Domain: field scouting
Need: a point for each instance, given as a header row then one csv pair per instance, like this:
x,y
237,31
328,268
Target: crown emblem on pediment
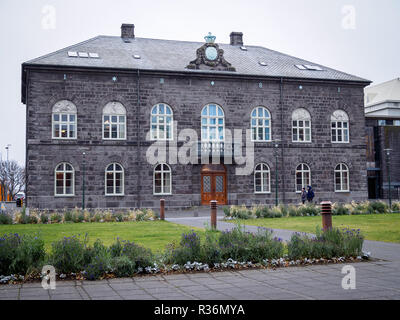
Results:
x,y
210,57
210,38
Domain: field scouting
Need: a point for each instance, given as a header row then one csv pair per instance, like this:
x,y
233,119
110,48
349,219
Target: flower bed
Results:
x,y
72,257
302,210
76,215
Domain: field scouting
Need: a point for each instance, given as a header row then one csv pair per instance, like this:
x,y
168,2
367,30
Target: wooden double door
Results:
x,y
213,184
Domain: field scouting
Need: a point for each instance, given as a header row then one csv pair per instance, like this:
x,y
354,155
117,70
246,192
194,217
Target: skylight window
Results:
x,y
136,56
308,67
301,67
311,67
243,48
262,63
93,55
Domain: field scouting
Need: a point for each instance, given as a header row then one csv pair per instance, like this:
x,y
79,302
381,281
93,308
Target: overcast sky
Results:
x,y
358,37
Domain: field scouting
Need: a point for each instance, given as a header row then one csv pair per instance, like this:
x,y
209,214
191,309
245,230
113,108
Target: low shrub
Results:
x,y
210,251
396,206
142,257
44,218
69,254
20,254
379,207
5,218
340,210
227,212
187,250
122,266
96,268
55,218
115,249
331,243
309,210
245,246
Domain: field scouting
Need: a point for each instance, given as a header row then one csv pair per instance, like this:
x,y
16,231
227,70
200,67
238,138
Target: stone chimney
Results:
x,y
127,31
236,38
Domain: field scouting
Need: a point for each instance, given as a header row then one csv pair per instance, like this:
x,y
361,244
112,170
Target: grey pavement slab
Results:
x,y
308,282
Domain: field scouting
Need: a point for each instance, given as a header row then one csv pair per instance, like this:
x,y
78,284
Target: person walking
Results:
x,y
310,194
303,195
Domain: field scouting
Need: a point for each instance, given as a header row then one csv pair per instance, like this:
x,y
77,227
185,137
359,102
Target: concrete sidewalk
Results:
x,y
374,280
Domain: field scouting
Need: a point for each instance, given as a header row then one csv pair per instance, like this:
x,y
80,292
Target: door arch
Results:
x,y
213,184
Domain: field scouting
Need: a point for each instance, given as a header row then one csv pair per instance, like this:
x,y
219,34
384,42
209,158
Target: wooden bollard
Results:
x,y
326,212
213,207
162,209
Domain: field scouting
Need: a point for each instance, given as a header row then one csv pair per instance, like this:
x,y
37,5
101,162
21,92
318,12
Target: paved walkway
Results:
x,y
374,280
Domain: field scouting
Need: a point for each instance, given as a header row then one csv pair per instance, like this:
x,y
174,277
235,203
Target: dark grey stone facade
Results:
x,y
187,93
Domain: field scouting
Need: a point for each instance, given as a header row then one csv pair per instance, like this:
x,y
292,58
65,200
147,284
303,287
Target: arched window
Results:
x,y
114,121
260,124
162,179
212,123
64,180
342,178
303,176
340,127
301,125
262,178
114,180
161,122
64,120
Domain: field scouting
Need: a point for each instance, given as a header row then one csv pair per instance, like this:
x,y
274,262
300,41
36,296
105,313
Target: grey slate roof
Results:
x,y
172,55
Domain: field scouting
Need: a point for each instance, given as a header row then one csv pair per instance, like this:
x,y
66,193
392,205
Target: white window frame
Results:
x,y
64,108
343,168
158,115
64,171
114,109
301,114
114,171
258,126
162,171
262,171
303,172
339,116
209,125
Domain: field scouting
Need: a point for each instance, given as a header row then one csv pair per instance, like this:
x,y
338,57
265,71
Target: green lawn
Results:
x,y
379,227
151,234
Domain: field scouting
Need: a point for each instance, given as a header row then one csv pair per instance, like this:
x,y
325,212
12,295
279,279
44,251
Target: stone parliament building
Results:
x,y
94,109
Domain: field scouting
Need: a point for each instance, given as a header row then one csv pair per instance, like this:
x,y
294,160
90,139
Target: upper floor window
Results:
x,y
114,121
114,177
342,178
303,176
262,178
260,124
162,179
212,123
340,126
64,180
301,125
161,122
64,120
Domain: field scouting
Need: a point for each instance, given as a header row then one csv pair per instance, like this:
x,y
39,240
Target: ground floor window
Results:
x,y
341,178
64,180
162,179
303,176
261,178
114,180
